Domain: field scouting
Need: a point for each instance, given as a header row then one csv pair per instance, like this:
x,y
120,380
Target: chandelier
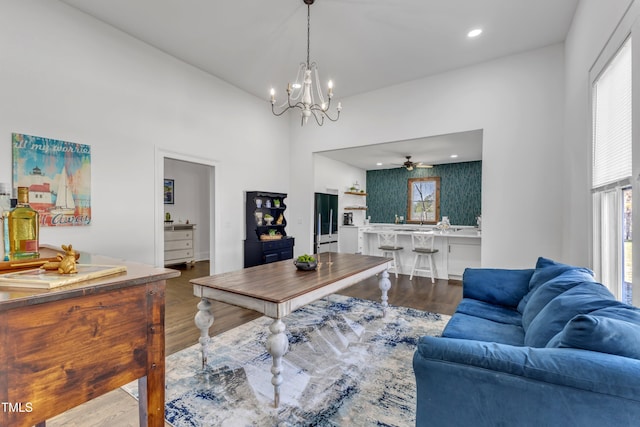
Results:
x,y
305,93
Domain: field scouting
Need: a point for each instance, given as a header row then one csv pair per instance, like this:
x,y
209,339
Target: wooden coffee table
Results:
x,y
278,289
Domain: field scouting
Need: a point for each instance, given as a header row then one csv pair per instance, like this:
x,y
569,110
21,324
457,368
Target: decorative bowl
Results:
x,y
306,266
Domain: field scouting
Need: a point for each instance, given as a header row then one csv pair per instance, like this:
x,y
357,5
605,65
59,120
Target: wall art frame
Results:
x,y
58,175
169,191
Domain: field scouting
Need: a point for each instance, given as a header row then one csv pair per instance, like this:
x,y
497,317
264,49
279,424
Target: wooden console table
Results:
x,y
62,347
277,289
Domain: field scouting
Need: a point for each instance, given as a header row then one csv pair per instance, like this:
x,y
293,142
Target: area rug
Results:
x,y
346,366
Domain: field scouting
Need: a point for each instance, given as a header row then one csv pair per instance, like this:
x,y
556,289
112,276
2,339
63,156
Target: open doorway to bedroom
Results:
x,y
188,204
187,185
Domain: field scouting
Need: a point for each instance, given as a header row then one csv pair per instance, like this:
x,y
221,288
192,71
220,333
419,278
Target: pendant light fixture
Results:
x,y
305,93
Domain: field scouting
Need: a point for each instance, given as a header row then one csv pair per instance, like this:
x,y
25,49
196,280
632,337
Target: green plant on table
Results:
x,y
306,258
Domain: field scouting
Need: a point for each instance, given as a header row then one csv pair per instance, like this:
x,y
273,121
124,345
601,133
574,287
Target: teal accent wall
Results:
x,y
460,192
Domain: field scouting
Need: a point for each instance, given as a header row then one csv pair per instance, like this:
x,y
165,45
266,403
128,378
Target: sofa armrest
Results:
x,y
496,286
467,382
581,369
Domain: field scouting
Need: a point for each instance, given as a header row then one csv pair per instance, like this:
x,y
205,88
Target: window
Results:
x,y
627,239
423,200
611,174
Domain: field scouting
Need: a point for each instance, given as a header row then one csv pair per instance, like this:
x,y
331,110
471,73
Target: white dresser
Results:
x,y
178,244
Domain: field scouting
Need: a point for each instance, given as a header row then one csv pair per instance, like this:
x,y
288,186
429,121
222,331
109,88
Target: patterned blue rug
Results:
x,y
346,366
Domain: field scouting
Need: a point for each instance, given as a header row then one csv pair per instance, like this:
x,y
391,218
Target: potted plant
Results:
x,y
306,262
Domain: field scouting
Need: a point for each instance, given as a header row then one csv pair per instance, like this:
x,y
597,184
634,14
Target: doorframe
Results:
x,y
160,155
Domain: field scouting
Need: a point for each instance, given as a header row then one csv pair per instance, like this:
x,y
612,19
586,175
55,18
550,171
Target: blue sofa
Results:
x,y
540,347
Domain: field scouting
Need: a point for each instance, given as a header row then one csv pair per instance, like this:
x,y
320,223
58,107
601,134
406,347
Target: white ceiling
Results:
x,y
362,45
434,150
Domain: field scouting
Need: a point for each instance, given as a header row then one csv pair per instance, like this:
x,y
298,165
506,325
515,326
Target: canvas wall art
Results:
x,y
58,174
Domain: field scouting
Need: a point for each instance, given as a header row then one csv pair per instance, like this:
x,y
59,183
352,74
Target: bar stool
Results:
x,y
388,244
422,245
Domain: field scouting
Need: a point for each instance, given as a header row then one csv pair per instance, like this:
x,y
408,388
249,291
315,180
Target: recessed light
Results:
x,y
474,33
379,164
453,156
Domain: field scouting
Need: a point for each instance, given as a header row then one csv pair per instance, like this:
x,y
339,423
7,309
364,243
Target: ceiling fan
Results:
x,y
409,165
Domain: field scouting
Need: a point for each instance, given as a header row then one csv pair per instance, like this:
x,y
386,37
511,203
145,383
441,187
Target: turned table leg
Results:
x,y
384,284
277,346
204,320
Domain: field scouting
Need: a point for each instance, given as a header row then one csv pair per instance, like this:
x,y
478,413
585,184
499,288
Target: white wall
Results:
x,y
192,200
331,175
592,25
517,101
66,76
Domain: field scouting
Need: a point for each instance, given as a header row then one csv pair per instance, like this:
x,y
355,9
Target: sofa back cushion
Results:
x,y
581,299
601,334
547,291
496,286
547,269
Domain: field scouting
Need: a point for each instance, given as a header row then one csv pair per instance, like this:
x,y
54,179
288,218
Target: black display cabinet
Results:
x,y
266,237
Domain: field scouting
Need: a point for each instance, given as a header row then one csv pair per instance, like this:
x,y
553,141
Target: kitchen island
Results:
x,y
458,247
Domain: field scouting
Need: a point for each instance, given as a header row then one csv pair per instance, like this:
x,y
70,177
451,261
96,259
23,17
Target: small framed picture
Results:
x,y
169,194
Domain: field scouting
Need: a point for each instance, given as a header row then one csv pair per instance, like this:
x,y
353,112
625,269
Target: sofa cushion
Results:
x,y
464,326
582,299
496,286
547,269
485,310
601,334
549,290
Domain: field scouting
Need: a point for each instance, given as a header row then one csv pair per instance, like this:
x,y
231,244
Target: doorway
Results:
x,y
192,201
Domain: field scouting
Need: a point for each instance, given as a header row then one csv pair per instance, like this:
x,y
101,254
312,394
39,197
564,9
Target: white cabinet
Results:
x,y
348,239
463,253
178,244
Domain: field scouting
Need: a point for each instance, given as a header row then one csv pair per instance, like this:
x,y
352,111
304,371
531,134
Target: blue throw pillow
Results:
x,y
600,334
544,293
547,269
581,299
620,311
543,262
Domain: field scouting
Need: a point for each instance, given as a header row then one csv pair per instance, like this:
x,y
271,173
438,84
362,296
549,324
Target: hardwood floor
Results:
x,y
442,297
117,408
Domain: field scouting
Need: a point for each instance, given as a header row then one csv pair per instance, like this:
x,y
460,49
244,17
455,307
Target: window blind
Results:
x,y
612,121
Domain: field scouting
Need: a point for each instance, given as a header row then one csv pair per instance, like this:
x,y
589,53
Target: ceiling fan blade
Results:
x,y
420,165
